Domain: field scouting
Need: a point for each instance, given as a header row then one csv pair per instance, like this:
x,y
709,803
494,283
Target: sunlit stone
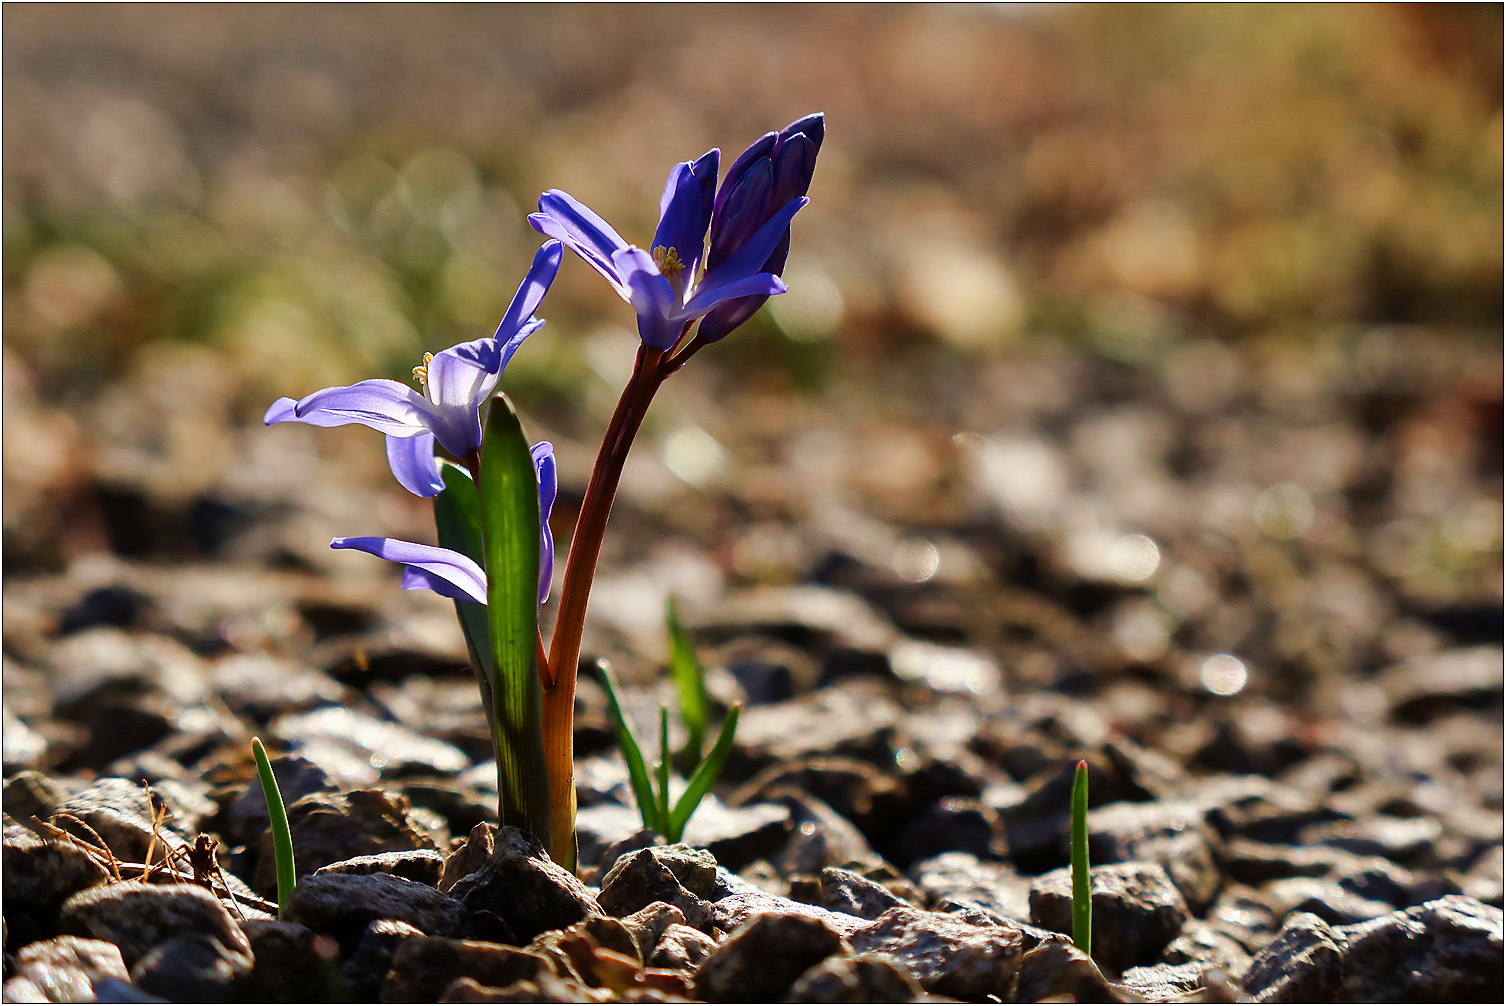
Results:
x,y
916,560
1134,557
1223,674
1284,511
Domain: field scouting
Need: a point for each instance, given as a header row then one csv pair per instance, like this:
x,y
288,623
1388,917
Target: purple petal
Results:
x,y
759,148
385,406
457,387
682,224
739,216
563,217
459,571
543,463
546,265
421,579
707,297
413,464
281,411
812,127
652,298
749,259
727,318
793,168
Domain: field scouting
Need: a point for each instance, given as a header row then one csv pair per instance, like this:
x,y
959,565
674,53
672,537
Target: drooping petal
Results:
x,y
546,265
460,571
724,319
749,259
413,464
281,411
543,464
385,406
763,284
652,298
421,579
456,386
563,217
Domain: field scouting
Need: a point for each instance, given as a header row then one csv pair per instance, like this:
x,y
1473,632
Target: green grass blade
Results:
x,y
663,768
282,837
457,518
705,775
690,678
632,751
1082,881
509,508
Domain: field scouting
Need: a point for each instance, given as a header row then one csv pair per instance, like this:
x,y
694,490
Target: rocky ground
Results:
x,y
1137,400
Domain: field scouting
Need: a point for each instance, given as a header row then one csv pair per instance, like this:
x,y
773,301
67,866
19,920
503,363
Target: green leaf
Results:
x,y
632,752
509,498
282,837
457,518
690,677
663,768
705,775
1082,877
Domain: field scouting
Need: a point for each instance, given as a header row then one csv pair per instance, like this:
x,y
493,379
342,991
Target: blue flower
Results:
x,y
456,383
453,575
774,170
662,284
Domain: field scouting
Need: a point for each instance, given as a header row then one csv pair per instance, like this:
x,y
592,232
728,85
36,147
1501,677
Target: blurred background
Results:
x,y
1173,334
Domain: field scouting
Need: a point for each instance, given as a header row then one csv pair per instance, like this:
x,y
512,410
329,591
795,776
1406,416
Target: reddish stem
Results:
x,y
580,568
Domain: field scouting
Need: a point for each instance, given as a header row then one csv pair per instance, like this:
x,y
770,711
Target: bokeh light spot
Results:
x,y
1223,674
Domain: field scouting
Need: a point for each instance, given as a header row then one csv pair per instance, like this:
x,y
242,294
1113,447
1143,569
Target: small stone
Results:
x,y
1056,969
763,958
946,955
846,891
367,965
1202,944
735,910
640,879
955,880
1254,863
821,837
393,748
649,925
422,968
954,824
1449,950
1302,964
331,828
41,874
1424,687
694,868
191,967
866,978
120,813
596,841
847,719
1136,910
681,947
1163,982
31,794
67,969
136,917
1329,902
1410,841
1174,834
422,866
858,791
344,904
737,836
525,888
290,963
472,855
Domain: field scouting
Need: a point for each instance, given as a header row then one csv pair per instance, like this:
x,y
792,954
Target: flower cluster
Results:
x,y
716,257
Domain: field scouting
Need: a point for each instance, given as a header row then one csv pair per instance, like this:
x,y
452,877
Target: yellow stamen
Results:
x,y
668,261
421,374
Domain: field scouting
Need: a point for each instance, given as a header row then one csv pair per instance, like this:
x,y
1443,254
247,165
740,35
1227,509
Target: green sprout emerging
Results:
x,y
1082,882
282,837
690,676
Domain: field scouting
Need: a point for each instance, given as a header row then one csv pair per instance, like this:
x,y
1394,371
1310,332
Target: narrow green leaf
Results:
x,y
690,678
282,836
632,751
705,775
509,509
457,518
1082,879
663,768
